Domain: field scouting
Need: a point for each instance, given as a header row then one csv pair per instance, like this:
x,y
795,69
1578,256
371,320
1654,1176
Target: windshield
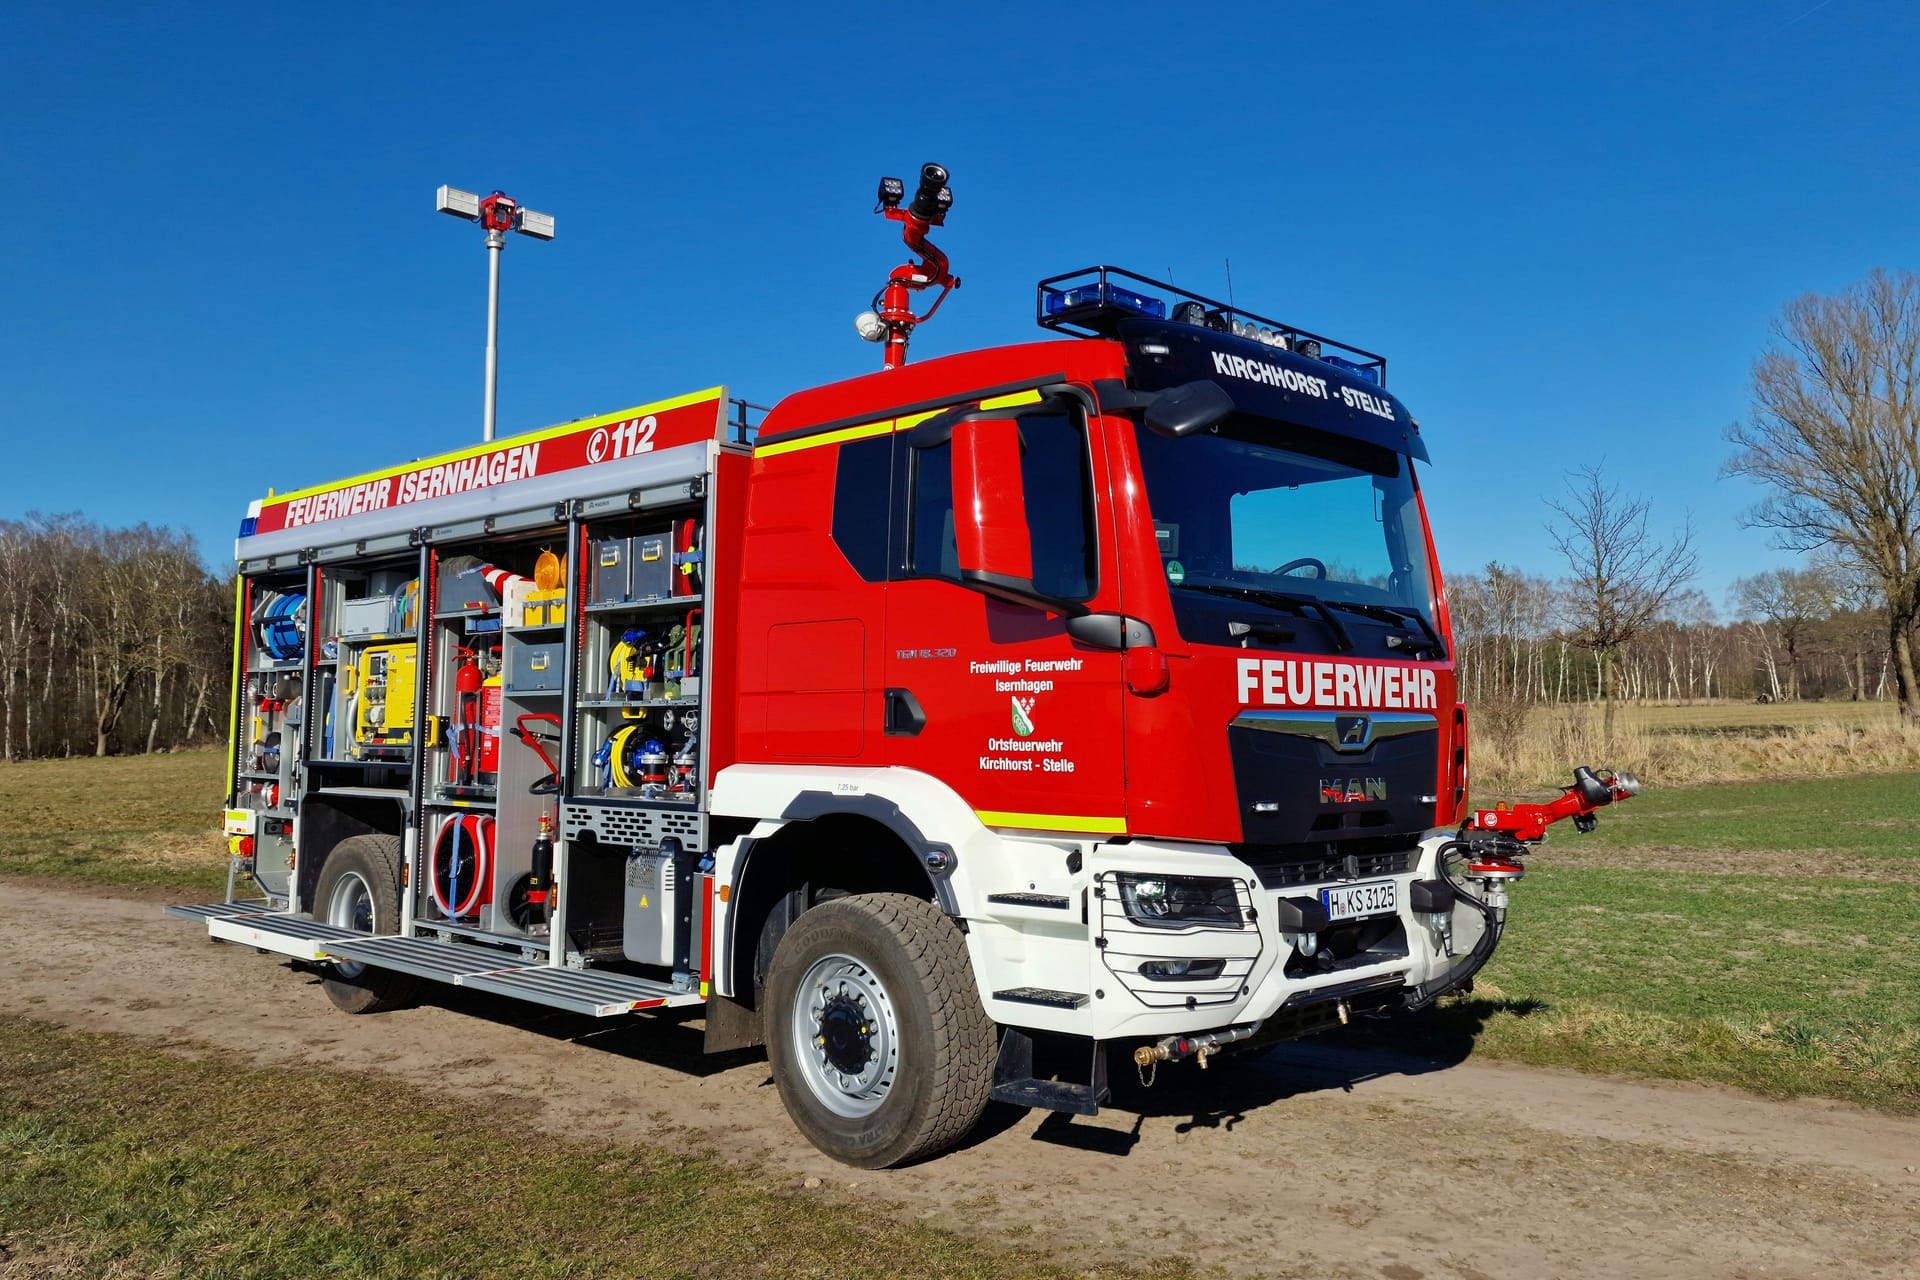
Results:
x,y
1293,520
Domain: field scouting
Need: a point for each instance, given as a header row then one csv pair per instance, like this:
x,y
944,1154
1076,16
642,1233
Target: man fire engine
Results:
x,y
943,730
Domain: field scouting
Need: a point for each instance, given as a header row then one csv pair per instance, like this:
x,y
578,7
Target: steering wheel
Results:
x,y
1304,562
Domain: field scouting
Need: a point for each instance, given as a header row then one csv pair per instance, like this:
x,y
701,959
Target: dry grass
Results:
x,y
145,820
1707,742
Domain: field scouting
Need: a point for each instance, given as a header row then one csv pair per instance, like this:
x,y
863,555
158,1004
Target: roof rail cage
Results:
x,y
743,420
1091,303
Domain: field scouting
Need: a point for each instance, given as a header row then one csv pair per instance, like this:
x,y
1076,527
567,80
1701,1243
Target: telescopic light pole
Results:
x,y
499,214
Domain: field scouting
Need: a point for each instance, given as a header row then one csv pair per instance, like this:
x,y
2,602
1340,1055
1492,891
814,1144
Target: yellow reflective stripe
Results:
x,y
831,437
886,425
240,621
714,394
1053,822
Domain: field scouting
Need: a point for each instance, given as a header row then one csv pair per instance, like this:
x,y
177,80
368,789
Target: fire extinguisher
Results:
x,y
491,693
467,681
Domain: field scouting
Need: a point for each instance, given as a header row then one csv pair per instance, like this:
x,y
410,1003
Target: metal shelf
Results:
x,y
532,693
636,703
451,797
537,627
641,606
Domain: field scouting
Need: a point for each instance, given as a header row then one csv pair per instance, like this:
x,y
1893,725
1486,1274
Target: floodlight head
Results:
x,y
537,225
461,204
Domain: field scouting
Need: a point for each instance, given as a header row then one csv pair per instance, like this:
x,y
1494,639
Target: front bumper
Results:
x,y
1258,971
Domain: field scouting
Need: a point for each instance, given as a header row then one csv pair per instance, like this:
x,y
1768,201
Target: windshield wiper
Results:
x,y
1396,613
1300,604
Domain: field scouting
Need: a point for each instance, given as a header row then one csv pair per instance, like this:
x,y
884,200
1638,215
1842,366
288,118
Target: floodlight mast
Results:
x,y
499,213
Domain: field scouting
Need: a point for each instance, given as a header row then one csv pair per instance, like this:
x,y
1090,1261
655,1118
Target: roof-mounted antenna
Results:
x,y
1230,305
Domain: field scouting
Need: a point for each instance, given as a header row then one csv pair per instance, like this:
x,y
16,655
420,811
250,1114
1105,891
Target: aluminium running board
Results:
x,y
595,993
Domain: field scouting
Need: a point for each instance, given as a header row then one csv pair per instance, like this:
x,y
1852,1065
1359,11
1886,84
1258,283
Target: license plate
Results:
x,y
1352,901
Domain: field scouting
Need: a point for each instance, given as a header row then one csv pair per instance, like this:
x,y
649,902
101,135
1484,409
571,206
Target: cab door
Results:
x,y
991,695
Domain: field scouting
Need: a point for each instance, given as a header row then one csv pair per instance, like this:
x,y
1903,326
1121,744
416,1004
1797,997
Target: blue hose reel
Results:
x,y
283,625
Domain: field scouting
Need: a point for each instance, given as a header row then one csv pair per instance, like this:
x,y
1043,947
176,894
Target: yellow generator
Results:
x,y
382,695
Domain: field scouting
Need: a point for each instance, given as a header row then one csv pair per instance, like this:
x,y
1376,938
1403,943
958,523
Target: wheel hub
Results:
x,y
846,1035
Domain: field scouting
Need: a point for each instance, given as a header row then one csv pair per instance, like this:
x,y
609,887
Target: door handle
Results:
x,y
905,716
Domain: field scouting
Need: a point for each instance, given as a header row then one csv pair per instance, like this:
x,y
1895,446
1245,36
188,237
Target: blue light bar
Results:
x,y
1104,295
1370,372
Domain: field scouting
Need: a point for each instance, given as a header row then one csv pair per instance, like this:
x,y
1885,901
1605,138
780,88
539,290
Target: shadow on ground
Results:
x,y
1219,1096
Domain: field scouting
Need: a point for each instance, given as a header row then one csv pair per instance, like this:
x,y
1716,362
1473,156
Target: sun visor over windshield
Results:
x,y
1269,382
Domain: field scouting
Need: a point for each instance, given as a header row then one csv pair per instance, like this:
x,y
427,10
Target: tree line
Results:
x,y
116,640
111,640
1790,635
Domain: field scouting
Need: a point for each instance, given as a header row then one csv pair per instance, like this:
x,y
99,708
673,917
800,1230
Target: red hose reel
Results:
x,y
460,865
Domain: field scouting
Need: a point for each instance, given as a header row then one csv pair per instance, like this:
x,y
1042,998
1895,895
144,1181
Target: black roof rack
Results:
x,y
1091,303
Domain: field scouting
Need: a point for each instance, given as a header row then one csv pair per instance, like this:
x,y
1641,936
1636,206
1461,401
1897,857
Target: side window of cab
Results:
x,y
1056,473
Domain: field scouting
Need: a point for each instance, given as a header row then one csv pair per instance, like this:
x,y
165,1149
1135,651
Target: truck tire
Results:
x,y
875,1032
360,889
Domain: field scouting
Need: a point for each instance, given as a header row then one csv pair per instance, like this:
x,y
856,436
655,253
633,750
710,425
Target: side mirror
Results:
x,y
990,504
991,537
1188,408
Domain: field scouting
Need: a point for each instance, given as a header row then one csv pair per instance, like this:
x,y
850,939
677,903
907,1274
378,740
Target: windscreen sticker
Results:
x,y
1284,682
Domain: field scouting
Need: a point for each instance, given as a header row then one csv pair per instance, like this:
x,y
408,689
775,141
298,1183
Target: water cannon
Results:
x,y
890,319
1592,789
934,198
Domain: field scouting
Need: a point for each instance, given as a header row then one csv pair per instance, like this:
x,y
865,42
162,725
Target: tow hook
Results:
x,y
1148,1057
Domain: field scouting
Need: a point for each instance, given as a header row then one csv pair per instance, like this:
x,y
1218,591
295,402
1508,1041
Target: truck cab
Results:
x,y
1156,614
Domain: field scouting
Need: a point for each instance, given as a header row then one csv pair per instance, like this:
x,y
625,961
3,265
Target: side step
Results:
x,y
221,910
1050,901
295,936
592,992
1042,996
1014,1080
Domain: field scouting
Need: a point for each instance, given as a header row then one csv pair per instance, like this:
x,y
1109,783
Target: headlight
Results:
x,y
1181,900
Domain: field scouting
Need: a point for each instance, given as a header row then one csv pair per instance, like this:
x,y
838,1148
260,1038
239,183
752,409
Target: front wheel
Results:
x,y
878,1042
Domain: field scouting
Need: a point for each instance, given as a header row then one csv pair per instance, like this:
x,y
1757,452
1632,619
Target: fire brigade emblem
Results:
x,y
1022,717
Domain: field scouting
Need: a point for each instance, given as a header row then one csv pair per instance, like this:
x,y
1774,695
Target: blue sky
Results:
x,y
1568,227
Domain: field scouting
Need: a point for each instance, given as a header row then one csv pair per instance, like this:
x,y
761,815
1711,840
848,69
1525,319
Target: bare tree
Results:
x,y
1621,576
1794,602
1835,434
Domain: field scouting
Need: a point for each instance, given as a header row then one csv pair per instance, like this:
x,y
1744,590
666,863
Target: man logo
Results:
x,y
1352,733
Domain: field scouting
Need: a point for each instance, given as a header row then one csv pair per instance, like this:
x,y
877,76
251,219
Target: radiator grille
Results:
x,y
1290,868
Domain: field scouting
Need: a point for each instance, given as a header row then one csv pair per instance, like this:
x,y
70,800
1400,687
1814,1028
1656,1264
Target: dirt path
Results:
x,y
1307,1161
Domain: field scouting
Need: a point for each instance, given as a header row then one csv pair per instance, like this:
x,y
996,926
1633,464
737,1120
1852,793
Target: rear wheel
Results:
x,y
360,889
875,1032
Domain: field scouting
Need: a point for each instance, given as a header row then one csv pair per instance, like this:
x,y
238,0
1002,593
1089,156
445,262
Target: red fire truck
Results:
x,y
941,729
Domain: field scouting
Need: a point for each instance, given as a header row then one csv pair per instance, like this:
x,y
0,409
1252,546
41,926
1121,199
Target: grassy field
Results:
x,y
117,1163
1722,716
1516,749
1754,934
137,820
